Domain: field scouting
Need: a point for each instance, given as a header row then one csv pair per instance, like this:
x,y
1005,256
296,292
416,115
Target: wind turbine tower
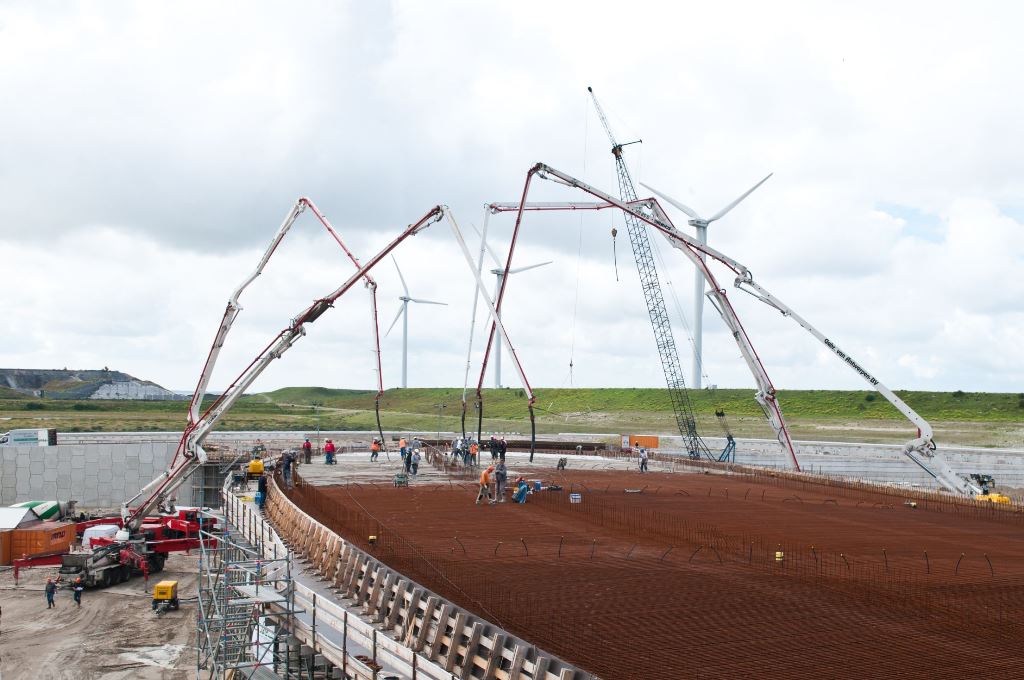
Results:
x,y
499,274
403,311
701,225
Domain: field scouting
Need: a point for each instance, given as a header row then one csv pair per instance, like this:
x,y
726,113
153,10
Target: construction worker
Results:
x,y
307,451
500,478
77,588
329,450
415,457
287,460
502,448
402,445
51,590
374,450
485,486
474,449
643,459
521,492
493,445
261,491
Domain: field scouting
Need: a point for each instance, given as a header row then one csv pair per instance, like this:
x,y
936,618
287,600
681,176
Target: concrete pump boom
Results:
x,y
190,452
921,450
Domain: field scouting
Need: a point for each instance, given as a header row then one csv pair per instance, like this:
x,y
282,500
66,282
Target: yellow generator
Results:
x,y
255,468
165,596
1000,498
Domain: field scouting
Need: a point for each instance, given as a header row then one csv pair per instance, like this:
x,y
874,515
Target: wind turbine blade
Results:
x,y
530,266
497,260
428,302
686,209
400,277
723,211
400,308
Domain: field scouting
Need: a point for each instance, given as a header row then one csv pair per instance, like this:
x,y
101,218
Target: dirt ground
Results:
x,y
114,635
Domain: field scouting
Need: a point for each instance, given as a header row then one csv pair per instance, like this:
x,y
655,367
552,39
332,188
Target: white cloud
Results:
x,y
150,151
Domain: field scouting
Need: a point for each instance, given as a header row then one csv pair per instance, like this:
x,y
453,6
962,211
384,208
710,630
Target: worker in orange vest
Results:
x,y
485,486
374,450
402,446
474,448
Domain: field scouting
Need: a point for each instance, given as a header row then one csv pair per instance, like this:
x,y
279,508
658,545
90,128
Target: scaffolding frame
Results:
x,y
246,607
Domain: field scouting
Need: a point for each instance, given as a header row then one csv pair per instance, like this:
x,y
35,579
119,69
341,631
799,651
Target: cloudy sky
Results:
x,y
148,152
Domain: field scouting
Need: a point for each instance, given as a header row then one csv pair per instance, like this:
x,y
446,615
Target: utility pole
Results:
x,y
440,408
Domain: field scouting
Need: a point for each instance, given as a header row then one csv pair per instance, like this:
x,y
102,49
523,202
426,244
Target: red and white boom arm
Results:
x,y
190,452
920,450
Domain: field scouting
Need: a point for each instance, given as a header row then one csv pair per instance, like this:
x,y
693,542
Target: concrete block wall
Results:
x,y
875,462
97,476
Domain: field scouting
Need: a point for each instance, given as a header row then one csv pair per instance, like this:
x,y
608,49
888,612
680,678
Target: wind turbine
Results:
x,y
403,312
499,274
701,225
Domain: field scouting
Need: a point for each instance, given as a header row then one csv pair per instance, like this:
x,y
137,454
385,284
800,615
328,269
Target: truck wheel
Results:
x,y
174,604
125,573
106,580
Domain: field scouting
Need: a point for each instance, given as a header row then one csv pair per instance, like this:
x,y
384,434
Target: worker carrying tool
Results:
x,y
485,486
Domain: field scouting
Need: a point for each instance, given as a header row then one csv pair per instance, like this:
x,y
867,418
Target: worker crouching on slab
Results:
x,y
485,486
521,492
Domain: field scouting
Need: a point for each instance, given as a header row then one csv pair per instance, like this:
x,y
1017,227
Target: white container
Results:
x,y
100,530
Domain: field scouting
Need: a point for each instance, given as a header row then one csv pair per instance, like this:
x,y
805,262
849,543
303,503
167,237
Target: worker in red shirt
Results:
x,y
307,451
329,450
485,486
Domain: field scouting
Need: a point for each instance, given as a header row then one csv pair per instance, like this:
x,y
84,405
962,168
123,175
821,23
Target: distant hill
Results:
x,y
88,384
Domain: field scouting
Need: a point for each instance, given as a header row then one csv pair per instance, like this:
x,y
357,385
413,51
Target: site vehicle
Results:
x,y
41,437
165,596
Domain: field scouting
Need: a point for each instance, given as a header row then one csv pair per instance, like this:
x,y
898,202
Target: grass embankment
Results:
x,y
984,419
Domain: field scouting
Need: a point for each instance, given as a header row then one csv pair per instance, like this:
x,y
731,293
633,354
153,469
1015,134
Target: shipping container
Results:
x,y
6,539
645,440
42,539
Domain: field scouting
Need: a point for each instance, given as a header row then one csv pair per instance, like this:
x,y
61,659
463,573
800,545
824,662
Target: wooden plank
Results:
x,y
411,616
453,648
380,604
428,618
517,661
397,604
494,662
440,630
471,647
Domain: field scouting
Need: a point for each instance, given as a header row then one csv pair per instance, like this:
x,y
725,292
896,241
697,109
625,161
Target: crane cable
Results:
x,y
579,256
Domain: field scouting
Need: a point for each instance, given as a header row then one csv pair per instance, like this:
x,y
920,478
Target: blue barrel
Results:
x,y
536,485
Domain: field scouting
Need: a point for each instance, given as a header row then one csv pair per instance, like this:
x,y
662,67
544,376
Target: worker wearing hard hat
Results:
x,y
485,486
